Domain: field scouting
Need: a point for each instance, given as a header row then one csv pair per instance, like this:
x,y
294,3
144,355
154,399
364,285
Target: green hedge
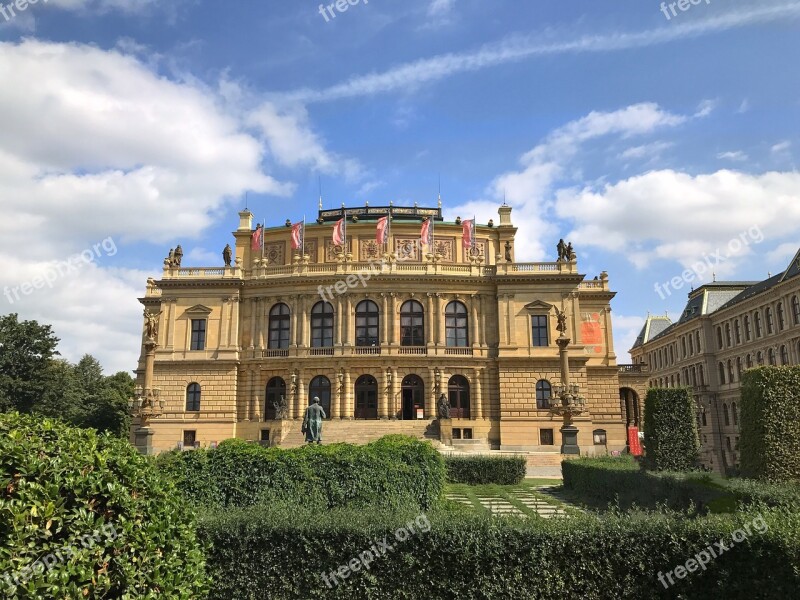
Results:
x,y
605,481
84,515
479,470
670,429
283,554
769,442
391,472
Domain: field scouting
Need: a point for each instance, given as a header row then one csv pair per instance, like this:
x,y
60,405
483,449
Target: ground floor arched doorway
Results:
x,y
366,397
413,395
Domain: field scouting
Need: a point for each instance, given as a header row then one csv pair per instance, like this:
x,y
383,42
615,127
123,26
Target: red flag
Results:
x,y
297,235
338,233
257,239
468,233
382,234
425,232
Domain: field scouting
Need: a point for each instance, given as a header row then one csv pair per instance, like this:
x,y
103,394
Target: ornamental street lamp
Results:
x,y
570,401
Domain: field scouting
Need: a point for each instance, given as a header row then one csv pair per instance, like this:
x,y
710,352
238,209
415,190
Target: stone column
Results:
x,y
172,307
429,321
347,322
473,330
393,391
262,324
339,317
512,321
383,409
478,385
293,333
394,320
385,320
349,411
303,323
441,339
301,393
482,326
253,317
501,319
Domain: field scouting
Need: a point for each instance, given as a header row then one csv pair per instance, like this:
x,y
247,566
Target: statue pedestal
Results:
x,y
446,431
569,440
143,440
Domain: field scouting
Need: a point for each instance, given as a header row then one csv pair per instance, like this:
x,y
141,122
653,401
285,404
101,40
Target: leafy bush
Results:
x,y
670,429
282,553
479,470
605,481
393,471
84,515
770,423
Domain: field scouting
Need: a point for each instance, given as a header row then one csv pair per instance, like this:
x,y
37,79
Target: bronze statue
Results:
x,y
312,422
443,407
508,251
227,255
171,258
561,316
570,252
151,324
561,247
178,255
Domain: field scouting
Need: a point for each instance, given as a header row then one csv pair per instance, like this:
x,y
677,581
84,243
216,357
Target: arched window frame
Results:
x,y
368,322
456,325
279,327
194,393
322,325
544,392
412,324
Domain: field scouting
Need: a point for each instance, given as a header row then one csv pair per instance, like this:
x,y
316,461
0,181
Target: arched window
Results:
x,y
719,338
683,347
193,397
279,327
721,374
412,324
691,345
703,416
367,323
746,328
366,397
730,371
749,361
322,325
759,358
784,355
458,392
796,310
771,355
671,355
276,387
697,339
737,332
544,392
739,368
781,317
757,321
728,334
768,316
456,325
702,374
726,415
320,387
735,412
413,395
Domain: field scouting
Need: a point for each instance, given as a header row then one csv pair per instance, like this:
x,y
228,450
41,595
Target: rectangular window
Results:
x,y
189,439
545,437
456,433
264,440
540,337
198,334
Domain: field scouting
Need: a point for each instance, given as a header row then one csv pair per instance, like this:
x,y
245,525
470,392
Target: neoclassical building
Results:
x,y
725,328
379,332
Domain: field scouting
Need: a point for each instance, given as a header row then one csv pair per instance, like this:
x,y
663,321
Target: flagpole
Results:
x,y
303,238
262,238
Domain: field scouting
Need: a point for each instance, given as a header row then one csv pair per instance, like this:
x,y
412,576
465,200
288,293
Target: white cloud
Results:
x,y
127,6
516,48
530,189
667,215
781,147
626,329
736,156
650,151
439,8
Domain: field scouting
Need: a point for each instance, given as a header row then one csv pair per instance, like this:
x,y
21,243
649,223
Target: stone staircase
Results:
x,y
362,432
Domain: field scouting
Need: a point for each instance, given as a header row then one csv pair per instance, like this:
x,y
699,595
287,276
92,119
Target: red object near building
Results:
x,y
634,445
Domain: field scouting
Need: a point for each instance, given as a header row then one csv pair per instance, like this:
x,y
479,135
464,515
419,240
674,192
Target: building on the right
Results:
x,y
726,328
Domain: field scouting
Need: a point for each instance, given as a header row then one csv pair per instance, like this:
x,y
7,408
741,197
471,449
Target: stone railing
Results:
x,y
637,368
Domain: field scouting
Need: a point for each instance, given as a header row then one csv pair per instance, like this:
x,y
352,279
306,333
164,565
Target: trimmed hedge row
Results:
x,y
390,472
478,470
770,423
283,555
84,515
605,481
670,430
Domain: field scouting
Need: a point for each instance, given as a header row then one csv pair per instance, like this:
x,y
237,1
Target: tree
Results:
x,y
26,351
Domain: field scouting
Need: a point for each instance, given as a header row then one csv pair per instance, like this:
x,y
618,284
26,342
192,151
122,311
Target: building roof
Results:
x,y
653,326
715,296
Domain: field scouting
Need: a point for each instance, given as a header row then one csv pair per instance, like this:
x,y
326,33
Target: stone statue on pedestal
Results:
x,y
151,324
227,255
443,407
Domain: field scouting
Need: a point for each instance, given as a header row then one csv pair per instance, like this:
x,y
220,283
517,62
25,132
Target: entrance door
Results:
x,y
413,397
366,397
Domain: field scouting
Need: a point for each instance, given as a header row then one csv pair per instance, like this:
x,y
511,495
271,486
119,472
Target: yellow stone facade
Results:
x,y
378,383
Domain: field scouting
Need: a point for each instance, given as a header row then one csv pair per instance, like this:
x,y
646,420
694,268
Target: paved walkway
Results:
x,y
502,506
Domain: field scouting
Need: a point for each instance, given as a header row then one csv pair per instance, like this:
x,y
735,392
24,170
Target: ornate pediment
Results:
x,y
538,306
198,310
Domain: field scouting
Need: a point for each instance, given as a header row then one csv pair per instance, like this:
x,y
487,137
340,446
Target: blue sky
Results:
x,y
648,142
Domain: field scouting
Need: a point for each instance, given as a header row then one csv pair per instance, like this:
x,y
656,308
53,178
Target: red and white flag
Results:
x,y
297,235
425,232
468,233
338,233
257,239
382,233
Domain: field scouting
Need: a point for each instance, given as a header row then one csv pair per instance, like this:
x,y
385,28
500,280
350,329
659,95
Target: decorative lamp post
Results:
x,y
570,401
